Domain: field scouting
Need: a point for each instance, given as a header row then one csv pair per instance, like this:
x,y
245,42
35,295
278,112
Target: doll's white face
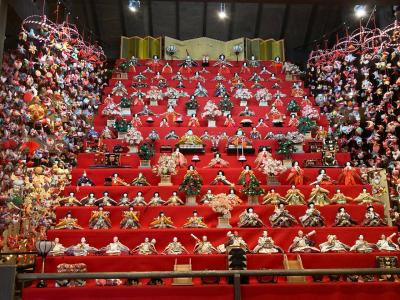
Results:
x,y
115,239
220,173
247,168
296,163
364,190
204,238
83,240
156,194
232,192
131,208
361,237
195,214
115,175
139,193
56,240
105,194
91,195
125,195
191,168
146,240
272,190
348,164
293,186
250,210
71,194
101,208
175,239
322,171
174,194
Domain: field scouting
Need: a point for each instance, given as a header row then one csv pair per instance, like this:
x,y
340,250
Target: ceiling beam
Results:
x,y
205,6
122,17
230,17
258,20
310,25
285,21
301,1
177,18
150,17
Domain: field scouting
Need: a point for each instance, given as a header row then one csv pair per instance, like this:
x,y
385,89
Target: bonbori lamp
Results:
x,y
43,248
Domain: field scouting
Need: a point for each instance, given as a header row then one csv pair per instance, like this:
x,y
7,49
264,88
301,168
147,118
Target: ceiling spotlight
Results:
x,y
134,5
360,11
222,11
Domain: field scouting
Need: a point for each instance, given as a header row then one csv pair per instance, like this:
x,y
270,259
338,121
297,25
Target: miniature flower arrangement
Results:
x,y
293,106
172,93
211,111
263,95
271,166
125,102
225,104
133,136
191,184
121,125
243,94
192,104
154,94
295,137
221,205
305,125
310,112
166,165
146,151
286,148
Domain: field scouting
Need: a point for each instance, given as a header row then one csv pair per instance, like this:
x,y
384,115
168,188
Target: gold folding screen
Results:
x,y
140,47
146,47
199,47
265,49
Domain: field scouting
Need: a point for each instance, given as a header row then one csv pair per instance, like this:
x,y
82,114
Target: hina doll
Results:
x,y
281,217
140,180
167,69
200,91
84,180
255,77
193,121
197,77
246,175
253,62
275,116
229,121
266,245
145,112
319,196
164,123
107,133
195,221
58,248
100,219
333,245
220,179
293,121
81,249
68,222
203,246
219,77
362,246
296,175
162,221
154,64
249,218
118,181
130,219
312,217
261,157
174,200
115,248
246,112
233,198
145,248
179,158
233,240
340,198
255,134
217,162
156,200
244,69
124,200
273,198
70,200
106,200
207,197
178,76
349,175
175,248
171,135
89,200
138,200
322,178
294,196
119,89
343,218
220,90
366,198
137,101
387,244
372,218
302,243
